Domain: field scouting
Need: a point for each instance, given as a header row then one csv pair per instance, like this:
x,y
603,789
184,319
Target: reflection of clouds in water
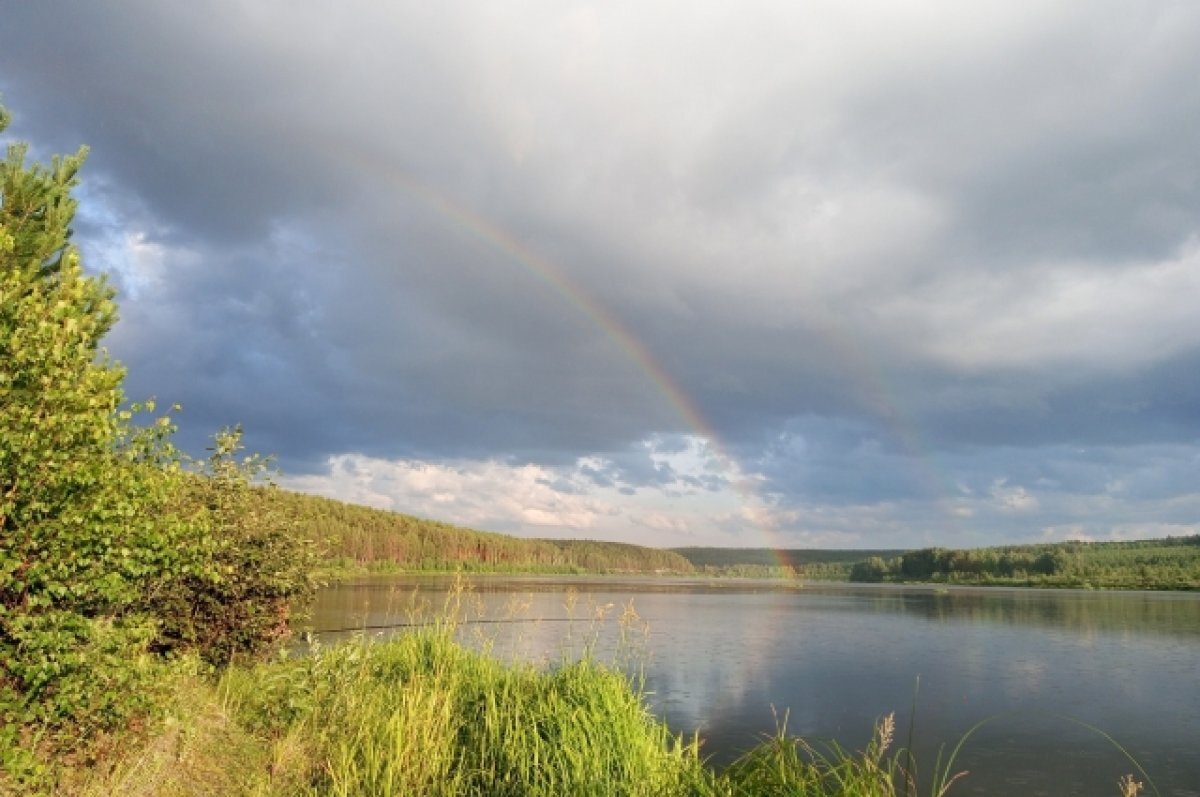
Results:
x,y
783,662
701,674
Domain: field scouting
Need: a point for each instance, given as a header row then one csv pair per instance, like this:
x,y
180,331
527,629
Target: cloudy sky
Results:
x,y
786,274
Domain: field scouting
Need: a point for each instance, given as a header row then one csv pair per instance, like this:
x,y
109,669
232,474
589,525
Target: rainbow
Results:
x,y
552,277
549,275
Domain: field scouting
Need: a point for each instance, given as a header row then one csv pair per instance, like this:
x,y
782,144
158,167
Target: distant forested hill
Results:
x,y
1171,563
804,562
354,536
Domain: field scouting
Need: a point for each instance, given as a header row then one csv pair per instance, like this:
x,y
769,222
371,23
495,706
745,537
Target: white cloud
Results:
x,y
1121,532
540,500
482,494
1073,314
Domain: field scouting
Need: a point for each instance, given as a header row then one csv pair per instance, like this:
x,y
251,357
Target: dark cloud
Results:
x,y
886,260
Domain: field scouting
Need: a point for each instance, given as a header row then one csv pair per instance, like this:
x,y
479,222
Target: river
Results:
x,y
1048,672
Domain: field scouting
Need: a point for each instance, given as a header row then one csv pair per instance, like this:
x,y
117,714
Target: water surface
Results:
x,y
731,658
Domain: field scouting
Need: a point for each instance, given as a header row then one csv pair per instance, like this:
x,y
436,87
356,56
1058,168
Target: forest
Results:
x,y
353,538
1172,563
812,563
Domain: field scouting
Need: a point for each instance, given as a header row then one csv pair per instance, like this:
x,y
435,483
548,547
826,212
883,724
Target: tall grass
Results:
x,y
784,765
423,714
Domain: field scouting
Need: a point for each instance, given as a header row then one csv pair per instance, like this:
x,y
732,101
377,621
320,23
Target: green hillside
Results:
x,y
357,537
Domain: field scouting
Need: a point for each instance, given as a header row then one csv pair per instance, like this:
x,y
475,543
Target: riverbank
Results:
x,y
421,714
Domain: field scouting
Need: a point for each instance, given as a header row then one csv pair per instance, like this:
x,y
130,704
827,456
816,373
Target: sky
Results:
x,y
757,274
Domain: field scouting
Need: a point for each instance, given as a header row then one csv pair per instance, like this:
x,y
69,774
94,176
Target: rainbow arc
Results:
x,y
547,273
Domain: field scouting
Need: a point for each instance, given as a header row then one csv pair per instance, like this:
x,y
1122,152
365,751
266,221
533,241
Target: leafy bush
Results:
x,y
115,548
245,570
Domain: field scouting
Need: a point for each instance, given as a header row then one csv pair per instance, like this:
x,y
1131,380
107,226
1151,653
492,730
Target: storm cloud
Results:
x,y
772,273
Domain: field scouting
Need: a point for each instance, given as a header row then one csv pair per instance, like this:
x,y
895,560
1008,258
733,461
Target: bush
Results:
x,y
115,548
247,567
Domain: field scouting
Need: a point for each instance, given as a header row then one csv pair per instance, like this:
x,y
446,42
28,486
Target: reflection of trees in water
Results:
x,y
395,599
1150,613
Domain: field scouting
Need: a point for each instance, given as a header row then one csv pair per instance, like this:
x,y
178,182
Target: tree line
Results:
x,y
351,537
805,563
1171,563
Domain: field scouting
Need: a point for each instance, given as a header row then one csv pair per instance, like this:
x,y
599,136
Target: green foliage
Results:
x,y
114,547
57,401
619,557
786,765
423,715
243,569
420,714
1173,563
71,525
871,570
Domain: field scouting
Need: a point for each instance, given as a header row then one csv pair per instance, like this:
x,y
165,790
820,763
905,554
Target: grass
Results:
x,y
423,714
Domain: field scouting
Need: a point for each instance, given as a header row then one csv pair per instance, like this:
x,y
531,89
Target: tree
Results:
x,y
113,544
74,510
58,394
920,565
873,570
